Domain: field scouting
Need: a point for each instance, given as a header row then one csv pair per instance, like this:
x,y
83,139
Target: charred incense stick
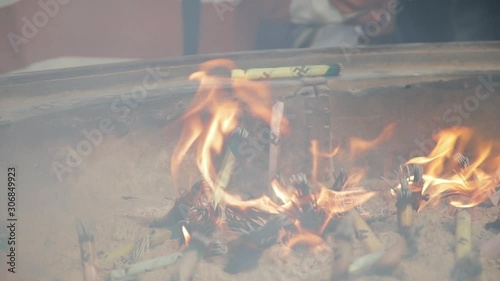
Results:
x,y
288,72
145,266
227,165
88,252
277,115
187,265
369,240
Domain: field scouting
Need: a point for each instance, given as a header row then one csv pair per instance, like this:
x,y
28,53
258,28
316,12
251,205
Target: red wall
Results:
x,y
127,28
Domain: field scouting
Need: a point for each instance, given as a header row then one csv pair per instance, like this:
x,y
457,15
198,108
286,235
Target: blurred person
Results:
x,y
330,23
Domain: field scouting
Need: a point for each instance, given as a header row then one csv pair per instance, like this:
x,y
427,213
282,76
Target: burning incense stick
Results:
x,y
88,252
288,72
365,234
277,115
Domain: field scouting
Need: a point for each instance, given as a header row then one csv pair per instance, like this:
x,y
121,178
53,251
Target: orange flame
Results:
x,y
306,238
467,185
187,237
328,201
316,155
214,113
337,202
360,146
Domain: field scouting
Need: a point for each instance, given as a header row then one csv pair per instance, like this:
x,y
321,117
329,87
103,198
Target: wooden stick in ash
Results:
x,y
88,251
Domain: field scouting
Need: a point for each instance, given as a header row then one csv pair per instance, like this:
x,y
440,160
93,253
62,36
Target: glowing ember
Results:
x,y
449,174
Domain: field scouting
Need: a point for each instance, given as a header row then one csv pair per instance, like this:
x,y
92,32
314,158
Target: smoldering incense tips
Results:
x,y
326,70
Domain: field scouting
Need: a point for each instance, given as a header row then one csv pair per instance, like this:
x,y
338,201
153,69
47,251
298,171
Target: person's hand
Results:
x,y
369,12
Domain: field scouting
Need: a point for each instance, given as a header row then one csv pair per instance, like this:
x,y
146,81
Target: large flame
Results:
x,y
467,184
215,112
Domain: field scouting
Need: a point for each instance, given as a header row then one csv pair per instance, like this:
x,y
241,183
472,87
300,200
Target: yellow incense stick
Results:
x,y
288,71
